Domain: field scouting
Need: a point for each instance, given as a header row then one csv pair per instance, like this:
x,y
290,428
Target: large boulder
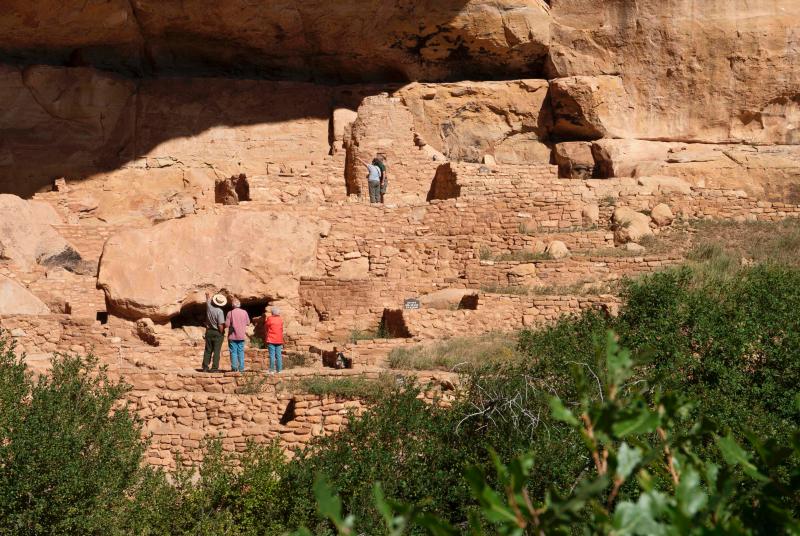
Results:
x,y
630,226
448,298
158,271
557,250
589,107
27,237
662,215
17,300
467,120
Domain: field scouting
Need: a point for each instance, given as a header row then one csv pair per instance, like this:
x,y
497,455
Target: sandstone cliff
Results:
x,y
708,92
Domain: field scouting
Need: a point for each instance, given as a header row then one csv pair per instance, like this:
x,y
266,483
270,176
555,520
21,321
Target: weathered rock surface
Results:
x,y
232,190
254,255
17,300
448,298
574,159
630,226
468,120
704,72
662,215
27,237
557,249
351,40
79,123
589,107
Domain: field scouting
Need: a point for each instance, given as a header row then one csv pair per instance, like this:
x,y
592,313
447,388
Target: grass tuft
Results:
x,y
457,354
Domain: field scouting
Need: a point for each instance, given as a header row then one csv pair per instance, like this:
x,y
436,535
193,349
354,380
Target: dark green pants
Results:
x,y
213,346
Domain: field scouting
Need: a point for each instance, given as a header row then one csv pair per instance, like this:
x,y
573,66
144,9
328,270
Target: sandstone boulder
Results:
x,y
523,275
662,215
630,226
590,214
254,255
17,300
557,249
448,298
574,159
467,120
589,107
27,237
629,158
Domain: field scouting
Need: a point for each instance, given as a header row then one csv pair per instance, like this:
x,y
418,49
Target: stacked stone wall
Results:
x,y
500,313
183,409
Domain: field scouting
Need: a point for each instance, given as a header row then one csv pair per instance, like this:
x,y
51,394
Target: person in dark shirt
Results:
x,y
215,331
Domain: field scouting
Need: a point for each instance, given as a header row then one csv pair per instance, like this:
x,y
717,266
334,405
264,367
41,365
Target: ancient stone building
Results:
x,y
530,145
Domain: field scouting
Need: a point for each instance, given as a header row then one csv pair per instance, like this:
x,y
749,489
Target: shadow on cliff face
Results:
x,y
80,122
347,41
65,118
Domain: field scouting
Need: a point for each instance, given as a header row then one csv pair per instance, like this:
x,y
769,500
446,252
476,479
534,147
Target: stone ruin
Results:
x,y
543,172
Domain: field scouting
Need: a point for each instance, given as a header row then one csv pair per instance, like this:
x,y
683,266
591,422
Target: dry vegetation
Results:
x,y
457,354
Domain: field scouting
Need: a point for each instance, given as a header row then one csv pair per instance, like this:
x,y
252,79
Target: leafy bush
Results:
x,y
645,478
68,452
728,344
347,386
403,442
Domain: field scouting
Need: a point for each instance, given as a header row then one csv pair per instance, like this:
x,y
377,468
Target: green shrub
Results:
x,y
644,474
403,442
69,453
351,387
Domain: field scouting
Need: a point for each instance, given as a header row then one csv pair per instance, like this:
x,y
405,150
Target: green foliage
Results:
x,y
646,476
257,343
523,256
351,387
252,383
404,443
729,344
379,332
68,452
228,494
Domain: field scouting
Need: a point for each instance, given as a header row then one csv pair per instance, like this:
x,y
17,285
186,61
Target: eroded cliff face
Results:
x,y
715,71
709,92
345,40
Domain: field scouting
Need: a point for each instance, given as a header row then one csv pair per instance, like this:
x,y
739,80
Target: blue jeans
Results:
x,y
275,352
237,355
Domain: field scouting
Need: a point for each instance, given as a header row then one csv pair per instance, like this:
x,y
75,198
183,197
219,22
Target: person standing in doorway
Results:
x,y
274,327
236,322
380,161
374,175
215,331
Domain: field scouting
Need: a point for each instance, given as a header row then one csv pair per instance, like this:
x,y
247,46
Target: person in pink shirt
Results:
x,y
274,327
236,322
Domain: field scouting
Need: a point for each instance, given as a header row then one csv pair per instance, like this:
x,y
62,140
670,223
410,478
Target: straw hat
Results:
x,y
219,300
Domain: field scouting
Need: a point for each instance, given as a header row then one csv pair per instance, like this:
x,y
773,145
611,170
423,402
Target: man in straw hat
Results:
x,y
215,330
